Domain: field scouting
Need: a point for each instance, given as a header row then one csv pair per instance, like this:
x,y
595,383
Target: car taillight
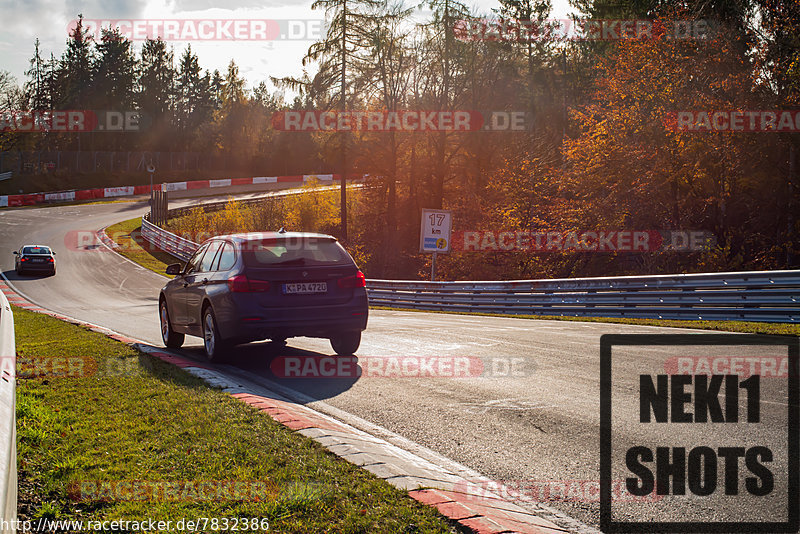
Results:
x,y
23,259
357,280
50,260
259,285
241,284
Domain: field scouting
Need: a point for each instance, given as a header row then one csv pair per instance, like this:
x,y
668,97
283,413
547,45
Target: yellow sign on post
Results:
x,y
435,231
434,234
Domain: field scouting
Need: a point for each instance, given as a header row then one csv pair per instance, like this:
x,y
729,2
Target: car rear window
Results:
x,y
226,258
293,251
36,250
210,256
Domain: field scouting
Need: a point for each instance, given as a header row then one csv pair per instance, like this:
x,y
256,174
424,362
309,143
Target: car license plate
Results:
x,y
305,288
37,260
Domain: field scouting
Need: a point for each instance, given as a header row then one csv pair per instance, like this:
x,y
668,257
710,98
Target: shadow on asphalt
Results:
x,y
11,275
133,206
315,374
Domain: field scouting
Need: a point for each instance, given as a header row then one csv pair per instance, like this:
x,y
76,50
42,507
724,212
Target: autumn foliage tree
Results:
x,y
600,154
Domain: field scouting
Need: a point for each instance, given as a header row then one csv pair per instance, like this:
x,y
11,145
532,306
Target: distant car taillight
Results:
x,y
50,259
241,284
23,258
357,280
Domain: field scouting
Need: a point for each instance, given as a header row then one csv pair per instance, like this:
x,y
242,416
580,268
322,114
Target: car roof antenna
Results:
x,y
282,230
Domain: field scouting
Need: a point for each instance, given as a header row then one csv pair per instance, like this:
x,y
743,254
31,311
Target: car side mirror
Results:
x,y
53,252
16,253
174,268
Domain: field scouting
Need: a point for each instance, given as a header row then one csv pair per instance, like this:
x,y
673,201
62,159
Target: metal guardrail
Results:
x,y
178,246
764,296
8,425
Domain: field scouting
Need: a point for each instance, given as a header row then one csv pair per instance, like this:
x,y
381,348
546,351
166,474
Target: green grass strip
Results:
x,y
127,234
140,419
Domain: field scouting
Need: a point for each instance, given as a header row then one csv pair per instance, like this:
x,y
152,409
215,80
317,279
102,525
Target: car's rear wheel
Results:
x,y
346,343
216,349
171,338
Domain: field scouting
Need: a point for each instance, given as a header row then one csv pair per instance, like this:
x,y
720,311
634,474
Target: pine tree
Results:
x,y
155,94
193,99
335,54
114,72
35,88
75,70
156,79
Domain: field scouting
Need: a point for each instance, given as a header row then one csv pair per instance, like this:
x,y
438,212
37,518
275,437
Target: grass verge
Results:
x,y
141,420
128,235
157,261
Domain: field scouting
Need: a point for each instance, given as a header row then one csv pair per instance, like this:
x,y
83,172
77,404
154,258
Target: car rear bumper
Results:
x,y
38,267
311,321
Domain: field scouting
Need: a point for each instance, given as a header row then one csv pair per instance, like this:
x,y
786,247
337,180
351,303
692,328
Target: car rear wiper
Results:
x,y
298,261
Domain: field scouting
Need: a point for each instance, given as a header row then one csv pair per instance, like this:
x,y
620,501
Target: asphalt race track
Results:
x,y
534,423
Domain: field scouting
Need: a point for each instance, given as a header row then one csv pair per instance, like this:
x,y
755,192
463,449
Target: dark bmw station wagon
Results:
x,y
276,285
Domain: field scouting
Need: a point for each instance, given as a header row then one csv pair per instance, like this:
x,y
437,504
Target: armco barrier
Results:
x,y
177,246
8,435
764,296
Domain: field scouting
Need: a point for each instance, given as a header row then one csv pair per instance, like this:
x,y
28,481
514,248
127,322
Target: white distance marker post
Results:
x,y
434,235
